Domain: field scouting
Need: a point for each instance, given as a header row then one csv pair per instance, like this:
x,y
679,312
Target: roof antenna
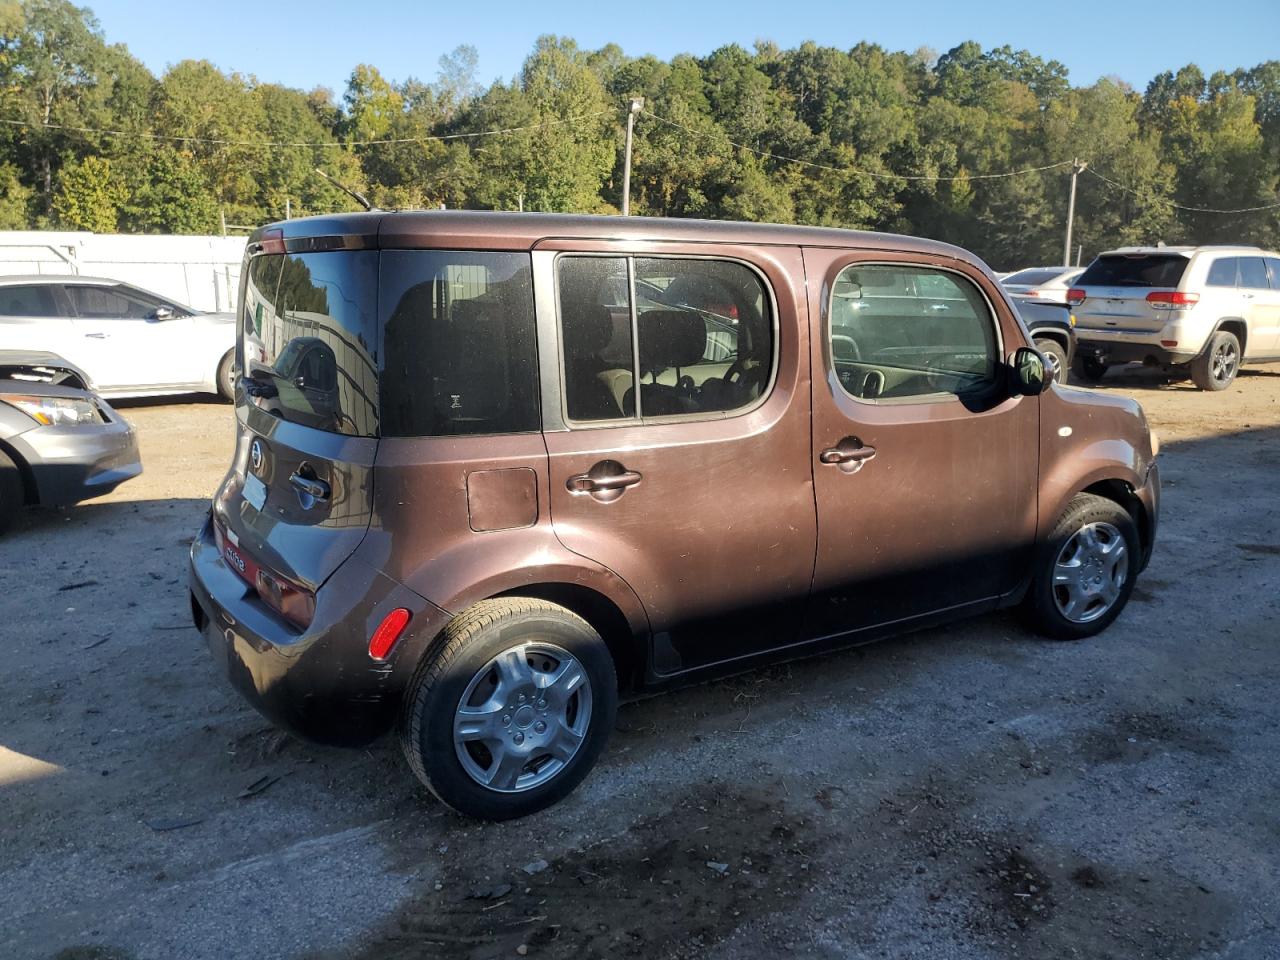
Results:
x,y
357,197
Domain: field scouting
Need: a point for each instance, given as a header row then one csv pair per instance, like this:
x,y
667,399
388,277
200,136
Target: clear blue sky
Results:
x,y
317,43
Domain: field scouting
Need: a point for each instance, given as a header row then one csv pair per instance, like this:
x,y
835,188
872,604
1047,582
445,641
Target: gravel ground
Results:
x,y
971,791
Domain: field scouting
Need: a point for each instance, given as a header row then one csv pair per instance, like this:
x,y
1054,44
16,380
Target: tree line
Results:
x,y
972,146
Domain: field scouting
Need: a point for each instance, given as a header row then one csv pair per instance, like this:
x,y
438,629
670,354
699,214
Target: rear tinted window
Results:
x,y
1032,278
32,301
460,344
1141,270
309,339
1223,272
1253,273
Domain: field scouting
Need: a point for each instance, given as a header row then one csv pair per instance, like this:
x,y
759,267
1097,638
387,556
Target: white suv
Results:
x,y
1198,311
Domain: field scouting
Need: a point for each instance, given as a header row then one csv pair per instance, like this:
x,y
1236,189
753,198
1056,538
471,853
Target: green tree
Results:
x,y
89,196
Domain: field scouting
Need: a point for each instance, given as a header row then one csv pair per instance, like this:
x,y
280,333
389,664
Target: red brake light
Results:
x,y
388,633
1172,300
1075,296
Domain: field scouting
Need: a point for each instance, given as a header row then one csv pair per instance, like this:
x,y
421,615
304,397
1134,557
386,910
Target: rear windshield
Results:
x,y
1134,270
309,339
1033,278
460,350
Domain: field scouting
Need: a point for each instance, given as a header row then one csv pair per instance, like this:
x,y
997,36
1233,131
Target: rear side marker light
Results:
x,y
1168,343
388,633
1172,300
1075,296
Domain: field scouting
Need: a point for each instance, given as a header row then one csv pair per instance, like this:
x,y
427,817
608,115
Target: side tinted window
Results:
x,y
1273,267
1253,273
29,301
109,303
905,331
1222,273
702,341
460,343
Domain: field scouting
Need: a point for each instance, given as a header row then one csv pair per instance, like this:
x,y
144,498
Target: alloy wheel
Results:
x,y
1090,572
523,717
1224,362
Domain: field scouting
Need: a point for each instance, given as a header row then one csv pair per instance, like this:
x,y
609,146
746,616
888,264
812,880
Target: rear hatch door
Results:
x,y
1116,288
298,498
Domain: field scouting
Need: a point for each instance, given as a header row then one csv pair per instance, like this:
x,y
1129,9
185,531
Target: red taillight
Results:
x,y
1075,296
388,633
296,605
1172,300
271,241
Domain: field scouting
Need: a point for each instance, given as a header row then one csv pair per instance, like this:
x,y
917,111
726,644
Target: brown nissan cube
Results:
x,y
494,470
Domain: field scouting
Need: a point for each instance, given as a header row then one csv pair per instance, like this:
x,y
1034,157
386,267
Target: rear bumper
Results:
x,y
319,683
1142,346
70,464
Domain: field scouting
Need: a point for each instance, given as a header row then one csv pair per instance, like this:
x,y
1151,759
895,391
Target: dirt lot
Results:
x,y
965,792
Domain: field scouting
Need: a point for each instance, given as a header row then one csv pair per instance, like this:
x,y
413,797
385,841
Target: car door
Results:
x,y
924,465
35,316
130,345
696,488
1261,308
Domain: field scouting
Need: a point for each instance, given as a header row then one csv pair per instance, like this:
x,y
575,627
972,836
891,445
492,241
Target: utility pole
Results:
x,y
1077,168
637,104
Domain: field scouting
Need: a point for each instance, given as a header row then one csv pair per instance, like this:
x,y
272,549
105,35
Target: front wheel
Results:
x,y
1085,571
11,498
511,710
226,376
1057,357
1216,368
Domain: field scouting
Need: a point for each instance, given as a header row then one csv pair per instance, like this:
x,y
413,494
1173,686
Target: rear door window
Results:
x,y
1253,273
697,336
460,343
936,337
1134,270
310,339
35,300
1223,272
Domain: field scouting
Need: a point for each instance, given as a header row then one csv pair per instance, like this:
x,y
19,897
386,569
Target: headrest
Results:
x,y
588,328
671,338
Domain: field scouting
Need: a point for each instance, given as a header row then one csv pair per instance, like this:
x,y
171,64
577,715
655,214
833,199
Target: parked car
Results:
x,y
60,442
1042,283
132,342
806,438
1052,329
1192,311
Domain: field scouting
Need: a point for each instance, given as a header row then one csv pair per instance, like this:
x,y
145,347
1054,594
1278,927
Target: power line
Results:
x,y
858,170
97,131
1179,206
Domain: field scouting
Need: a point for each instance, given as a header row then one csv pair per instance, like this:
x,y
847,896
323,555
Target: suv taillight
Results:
x,y
1075,296
1172,300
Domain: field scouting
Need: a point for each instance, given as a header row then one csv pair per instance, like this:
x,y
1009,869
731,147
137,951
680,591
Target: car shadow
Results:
x,y
1139,376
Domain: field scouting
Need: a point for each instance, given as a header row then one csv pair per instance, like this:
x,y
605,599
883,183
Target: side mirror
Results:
x,y
162,312
1028,373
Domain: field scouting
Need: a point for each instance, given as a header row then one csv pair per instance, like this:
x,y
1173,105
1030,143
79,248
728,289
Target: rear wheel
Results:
x,y
511,710
11,498
1090,369
226,376
1056,356
1216,368
1085,571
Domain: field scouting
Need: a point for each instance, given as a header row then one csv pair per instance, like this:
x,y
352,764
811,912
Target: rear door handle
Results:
x,y
309,487
850,454
96,336
605,481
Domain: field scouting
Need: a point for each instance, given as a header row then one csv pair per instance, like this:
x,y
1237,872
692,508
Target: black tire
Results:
x,y
1216,368
11,491
1090,369
1052,348
470,643
225,380
1041,607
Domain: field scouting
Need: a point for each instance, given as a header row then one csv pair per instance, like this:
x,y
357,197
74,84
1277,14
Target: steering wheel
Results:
x,y
744,376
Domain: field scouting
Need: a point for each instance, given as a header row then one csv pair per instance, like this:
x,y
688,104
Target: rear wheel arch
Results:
x,y
1236,326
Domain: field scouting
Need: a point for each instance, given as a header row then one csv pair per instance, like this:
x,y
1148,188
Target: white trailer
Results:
x,y
202,272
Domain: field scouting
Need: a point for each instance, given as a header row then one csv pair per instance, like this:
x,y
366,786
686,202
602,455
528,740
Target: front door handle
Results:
x,y
606,481
850,454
